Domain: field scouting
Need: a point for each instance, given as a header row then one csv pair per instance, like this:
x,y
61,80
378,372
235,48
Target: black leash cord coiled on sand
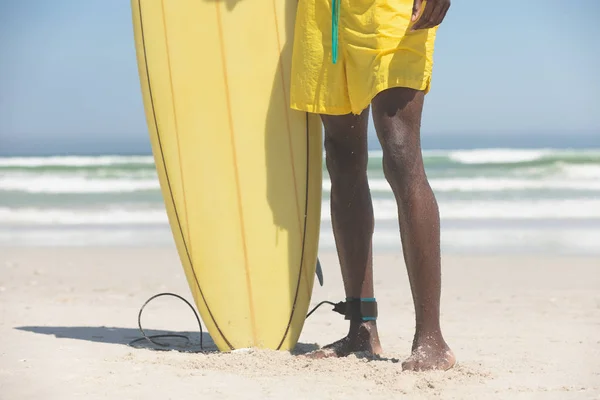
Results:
x,y
150,338
319,273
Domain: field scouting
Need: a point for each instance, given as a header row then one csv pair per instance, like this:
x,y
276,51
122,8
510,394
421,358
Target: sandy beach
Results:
x,y
522,327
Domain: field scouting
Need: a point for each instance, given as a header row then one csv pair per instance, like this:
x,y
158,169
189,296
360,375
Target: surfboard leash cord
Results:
x,y
339,307
150,338
352,308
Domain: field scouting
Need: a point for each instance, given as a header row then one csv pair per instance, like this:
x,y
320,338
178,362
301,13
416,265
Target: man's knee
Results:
x,y
397,114
402,162
346,150
345,159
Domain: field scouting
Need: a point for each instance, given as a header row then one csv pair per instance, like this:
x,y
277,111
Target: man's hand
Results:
x,y
432,15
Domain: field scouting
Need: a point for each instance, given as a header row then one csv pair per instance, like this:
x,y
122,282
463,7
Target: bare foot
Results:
x,y
430,353
361,338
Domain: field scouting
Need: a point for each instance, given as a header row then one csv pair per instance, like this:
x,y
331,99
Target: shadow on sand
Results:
x,y
124,336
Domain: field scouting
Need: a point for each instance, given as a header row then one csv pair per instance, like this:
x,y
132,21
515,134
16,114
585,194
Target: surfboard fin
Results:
x,y
319,272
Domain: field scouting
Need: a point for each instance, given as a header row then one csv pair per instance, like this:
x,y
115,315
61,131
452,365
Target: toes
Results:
x,y
412,365
408,366
322,353
420,363
419,366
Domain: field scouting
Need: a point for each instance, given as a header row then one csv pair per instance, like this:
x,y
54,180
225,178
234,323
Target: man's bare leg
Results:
x,y
352,221
397,119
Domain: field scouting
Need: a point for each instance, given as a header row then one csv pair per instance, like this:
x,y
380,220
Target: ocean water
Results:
x,y
492,200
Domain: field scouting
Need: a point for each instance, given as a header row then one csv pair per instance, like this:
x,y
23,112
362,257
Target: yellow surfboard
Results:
x,y
240,171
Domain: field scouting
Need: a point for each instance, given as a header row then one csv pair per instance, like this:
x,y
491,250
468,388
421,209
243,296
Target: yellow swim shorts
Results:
x,y
375,51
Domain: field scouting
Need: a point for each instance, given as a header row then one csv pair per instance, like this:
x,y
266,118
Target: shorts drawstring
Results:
x,y
335,17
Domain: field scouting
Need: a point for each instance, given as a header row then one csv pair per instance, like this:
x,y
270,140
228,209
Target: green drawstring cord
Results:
x,y
335,17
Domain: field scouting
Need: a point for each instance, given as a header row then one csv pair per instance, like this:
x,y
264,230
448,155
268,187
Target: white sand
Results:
x,y
521,327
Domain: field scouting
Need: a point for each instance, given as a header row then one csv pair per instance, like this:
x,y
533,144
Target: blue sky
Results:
x,y
68,75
